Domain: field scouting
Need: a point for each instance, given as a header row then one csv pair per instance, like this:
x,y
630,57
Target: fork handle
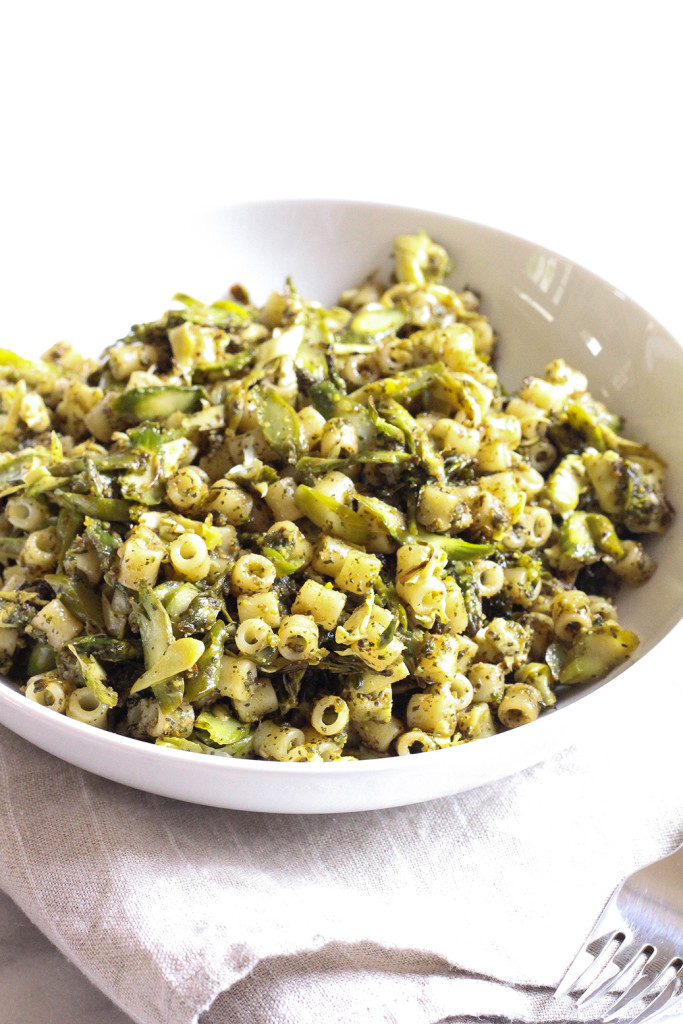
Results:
x,y
664,879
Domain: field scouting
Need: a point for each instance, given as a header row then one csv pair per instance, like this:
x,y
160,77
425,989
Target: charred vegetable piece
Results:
x,y
69,525
110,510
81,600
108,648
416,438
202,681
313,466
104,542
646,508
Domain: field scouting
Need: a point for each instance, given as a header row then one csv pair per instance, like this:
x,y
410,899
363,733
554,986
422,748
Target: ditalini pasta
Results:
x,y
304,534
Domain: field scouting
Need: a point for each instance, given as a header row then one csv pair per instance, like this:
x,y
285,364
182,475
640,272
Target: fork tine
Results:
x,y
663,1002
640,987
625,959
584,962
607,928
643,918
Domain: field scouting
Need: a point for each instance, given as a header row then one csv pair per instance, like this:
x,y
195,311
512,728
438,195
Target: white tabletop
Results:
x,y
558,122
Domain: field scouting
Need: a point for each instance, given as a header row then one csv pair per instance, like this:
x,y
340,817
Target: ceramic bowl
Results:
x,y
542,305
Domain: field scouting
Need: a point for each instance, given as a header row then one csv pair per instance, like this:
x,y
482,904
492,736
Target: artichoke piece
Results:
x,y
377,322
94,678
16,367
596,652
646,508
566,483
286,343
178,743
158,402
240,748
179,657
222,313
330,515
596,434
280,424
575,539
586,536
14,468
221,728
419,260
604,535
150,437
626,488
155,626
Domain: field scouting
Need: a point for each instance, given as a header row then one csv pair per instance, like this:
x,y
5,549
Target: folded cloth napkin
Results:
x,y
469,907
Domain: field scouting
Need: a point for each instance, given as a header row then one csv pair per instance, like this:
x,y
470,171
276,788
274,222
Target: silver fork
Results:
x,y
638,941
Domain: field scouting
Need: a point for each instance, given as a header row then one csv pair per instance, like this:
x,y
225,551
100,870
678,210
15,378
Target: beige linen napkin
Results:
x,y
466,907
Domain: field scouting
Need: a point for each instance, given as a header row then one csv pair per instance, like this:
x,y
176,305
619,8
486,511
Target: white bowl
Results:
x,y
542,305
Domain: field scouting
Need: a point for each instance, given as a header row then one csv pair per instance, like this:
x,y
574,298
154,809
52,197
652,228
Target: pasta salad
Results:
x,y
297,533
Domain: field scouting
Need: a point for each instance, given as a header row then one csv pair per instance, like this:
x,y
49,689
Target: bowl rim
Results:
x,y
551,720
548,722
407,208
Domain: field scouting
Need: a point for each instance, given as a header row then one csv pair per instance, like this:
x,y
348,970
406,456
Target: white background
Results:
x,y
560,122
